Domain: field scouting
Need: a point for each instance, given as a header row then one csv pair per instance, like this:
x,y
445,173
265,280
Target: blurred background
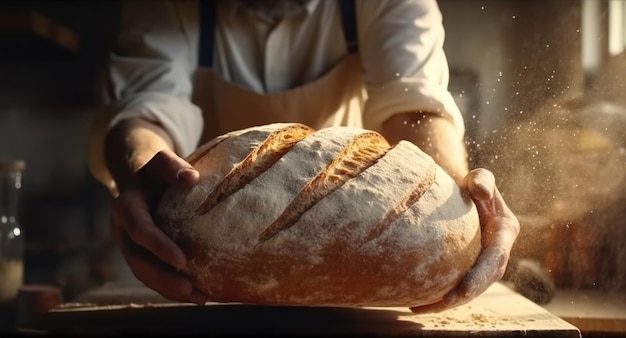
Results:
x,y
51,54
539,82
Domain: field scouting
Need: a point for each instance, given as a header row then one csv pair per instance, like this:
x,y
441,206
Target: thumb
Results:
x,y
480,183
169,168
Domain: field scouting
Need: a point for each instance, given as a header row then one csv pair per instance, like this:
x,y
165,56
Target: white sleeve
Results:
x,y
149,75
405,67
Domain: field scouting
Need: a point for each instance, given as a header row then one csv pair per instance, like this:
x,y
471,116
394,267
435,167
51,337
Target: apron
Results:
x,y
335,99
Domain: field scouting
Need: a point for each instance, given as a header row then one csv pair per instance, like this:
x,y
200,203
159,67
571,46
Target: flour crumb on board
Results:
x,y
478,319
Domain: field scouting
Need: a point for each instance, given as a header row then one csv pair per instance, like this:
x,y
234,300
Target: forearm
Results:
x,y
436,136
130,144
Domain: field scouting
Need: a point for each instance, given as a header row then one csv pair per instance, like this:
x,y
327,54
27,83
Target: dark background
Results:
x,y
51,56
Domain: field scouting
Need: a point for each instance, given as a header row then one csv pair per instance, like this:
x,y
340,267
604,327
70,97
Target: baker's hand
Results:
x,y
152,256
499,228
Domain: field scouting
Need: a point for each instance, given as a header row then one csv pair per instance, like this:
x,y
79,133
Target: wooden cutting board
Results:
x,y
115,308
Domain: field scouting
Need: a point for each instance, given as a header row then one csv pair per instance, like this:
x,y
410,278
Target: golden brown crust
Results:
x,y
260,159
365,224
404,204
360,153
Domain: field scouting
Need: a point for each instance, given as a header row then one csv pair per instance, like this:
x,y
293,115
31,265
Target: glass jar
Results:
x,y
11,234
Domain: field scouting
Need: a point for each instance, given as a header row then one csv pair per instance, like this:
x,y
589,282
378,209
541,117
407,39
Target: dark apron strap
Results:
x,y
207,32
207,29
348,20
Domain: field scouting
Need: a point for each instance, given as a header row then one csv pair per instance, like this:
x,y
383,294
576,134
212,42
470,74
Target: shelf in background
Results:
x,y
30,34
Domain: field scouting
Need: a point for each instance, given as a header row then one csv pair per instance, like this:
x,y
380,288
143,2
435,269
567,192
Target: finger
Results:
x,y
159,277
488,270
477,280
502,235
197,297
168,167
480,183
497,219
133,216
430,308
500,207
490,265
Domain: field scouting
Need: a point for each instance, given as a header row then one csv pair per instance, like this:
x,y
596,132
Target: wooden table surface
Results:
x,y
601,313
117,308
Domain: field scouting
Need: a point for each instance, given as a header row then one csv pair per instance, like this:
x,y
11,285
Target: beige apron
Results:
x,y
334,99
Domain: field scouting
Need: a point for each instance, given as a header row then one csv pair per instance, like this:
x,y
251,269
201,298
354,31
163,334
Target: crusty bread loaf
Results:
x,y
286,215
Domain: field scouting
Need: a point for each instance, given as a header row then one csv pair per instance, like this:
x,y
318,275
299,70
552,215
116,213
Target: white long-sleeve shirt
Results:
x,y
400,44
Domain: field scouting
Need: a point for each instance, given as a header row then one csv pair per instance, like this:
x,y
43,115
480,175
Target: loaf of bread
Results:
x,y
287,215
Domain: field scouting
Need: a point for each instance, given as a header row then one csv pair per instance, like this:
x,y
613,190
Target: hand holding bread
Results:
x,y
500,228
140,160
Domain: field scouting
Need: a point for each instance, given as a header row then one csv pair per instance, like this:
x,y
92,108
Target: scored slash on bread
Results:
x,y
404,204
332,217
260,159
360,153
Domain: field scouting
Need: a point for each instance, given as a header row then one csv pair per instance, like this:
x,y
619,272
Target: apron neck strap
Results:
x,y
348,20
207,29
207,32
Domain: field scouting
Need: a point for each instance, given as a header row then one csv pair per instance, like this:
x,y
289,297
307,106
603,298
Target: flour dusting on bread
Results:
x,y
258,160
361,152
343,218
